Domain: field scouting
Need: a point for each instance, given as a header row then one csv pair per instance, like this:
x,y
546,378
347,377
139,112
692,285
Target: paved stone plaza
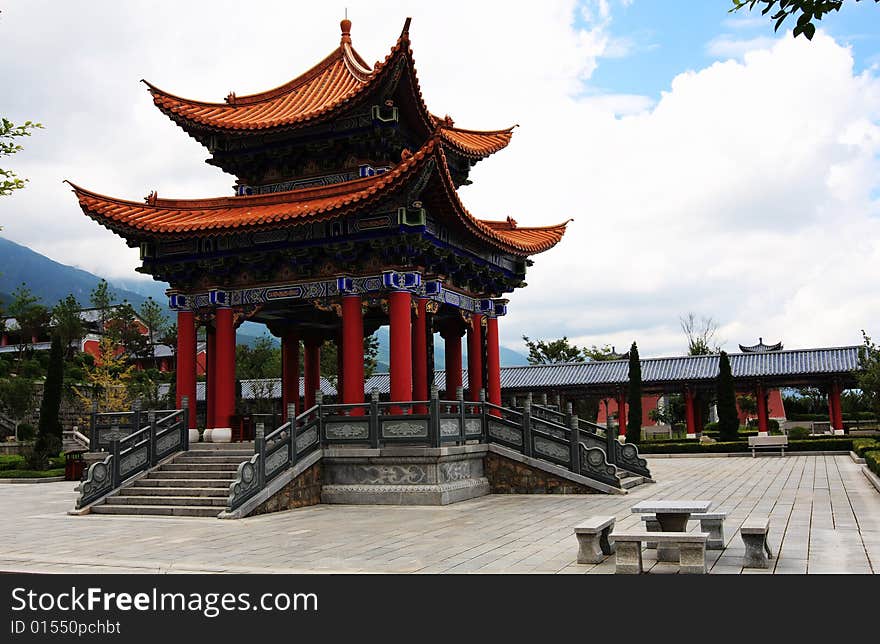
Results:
x,y
825,518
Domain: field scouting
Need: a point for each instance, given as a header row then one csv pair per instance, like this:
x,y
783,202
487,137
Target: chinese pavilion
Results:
x,y
345,217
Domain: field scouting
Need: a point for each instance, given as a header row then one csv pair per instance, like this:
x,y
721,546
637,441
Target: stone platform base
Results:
x,y
404,475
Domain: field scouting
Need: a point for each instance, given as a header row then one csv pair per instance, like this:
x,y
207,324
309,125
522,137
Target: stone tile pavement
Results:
x,y
824,517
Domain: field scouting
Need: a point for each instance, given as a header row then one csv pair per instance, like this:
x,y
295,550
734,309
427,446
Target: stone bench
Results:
x,y
711,522
770,442
692,546
593,541
754,535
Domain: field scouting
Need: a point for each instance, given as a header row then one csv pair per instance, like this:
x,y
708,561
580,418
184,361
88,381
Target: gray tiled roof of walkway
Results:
x,y
796,363
824,518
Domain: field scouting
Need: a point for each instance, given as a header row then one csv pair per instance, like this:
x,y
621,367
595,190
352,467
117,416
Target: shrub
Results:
x,y
26,432
862,445
773,425
710,428
872,460
798,433
838,444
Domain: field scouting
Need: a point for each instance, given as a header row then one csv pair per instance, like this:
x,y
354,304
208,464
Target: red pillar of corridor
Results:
x,y
225,376
420,354
352,351
835,413
763,418
690,412
451,335
493,362
289,374
312,369
621,414
475,356
186,362
400,317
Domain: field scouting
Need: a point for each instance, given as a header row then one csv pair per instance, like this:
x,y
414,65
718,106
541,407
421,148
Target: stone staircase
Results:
x,y
192,484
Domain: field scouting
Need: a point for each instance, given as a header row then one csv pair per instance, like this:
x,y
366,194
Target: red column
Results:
x,y
420,354
312,370
289,373
210,375
835,411
690,412
4,340
493,362
621,414
186,362
401,346
352,350
225,375
475,356
763,424
340,367
452,338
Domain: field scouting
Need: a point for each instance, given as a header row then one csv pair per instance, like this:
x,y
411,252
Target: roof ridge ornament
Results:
x,y
345,27
151,198
230,98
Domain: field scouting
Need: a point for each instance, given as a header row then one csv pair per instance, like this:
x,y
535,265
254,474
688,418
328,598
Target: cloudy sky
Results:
x,y
710,166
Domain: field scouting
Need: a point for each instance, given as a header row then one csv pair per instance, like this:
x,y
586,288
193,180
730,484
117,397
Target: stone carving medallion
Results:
x,y
448,427
347,430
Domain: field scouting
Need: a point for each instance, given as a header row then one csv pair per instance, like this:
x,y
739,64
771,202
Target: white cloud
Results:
x,y
744,193
727,46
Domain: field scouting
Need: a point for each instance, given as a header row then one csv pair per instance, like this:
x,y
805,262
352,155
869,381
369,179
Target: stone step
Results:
x,y
238,453
249,446
167,500
204,467
195,492
143,483
189,458
195,473
631,482
158,510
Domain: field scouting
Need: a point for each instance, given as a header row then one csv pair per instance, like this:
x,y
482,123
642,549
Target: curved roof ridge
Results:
x,y
304,194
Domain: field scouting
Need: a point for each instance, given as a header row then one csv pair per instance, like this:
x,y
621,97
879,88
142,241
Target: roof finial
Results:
x,y
345,26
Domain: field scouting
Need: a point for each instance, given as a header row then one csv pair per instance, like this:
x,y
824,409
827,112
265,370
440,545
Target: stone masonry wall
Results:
x,y
302,491
511,477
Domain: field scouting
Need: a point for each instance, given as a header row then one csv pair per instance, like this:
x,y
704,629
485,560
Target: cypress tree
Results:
x,y
48,441
634,422
728,418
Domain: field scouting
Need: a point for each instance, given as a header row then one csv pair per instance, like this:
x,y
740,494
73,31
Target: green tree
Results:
x,y
9,133
747,404
154,319
807,12
599,354
67,322
728,419
701,334
124,329
330,362
31,316
48,442
634,397
17,398
672,413
102,298
868,375
554,351
168,338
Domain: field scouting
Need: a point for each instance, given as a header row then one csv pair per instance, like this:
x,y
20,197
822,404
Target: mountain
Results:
x,y
50,280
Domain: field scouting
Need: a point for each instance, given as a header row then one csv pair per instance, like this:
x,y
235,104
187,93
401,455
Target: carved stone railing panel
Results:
x,y
628,459
473,426
449,427
596,466
98,481
551,450
246,482
134,461
306,439
405,428
505,433
348,430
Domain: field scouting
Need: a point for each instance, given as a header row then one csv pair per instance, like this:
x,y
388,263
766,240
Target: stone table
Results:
x,y
672,517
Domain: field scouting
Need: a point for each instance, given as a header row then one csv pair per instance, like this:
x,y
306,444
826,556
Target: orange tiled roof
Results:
x,y
185,217
340,78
